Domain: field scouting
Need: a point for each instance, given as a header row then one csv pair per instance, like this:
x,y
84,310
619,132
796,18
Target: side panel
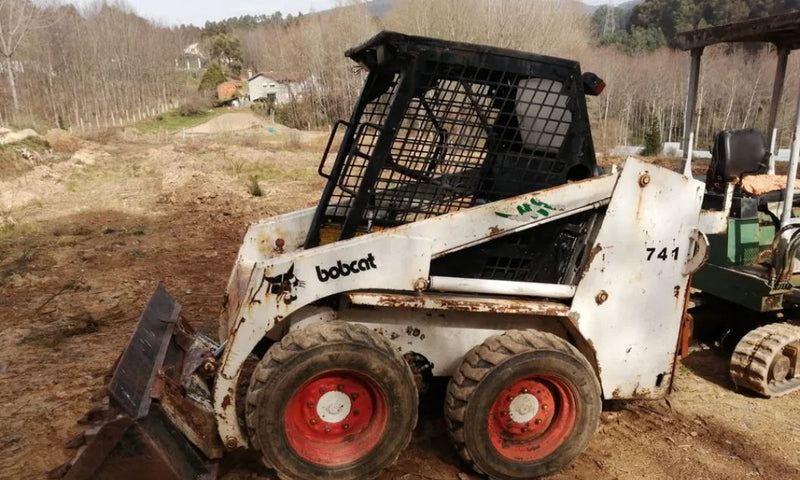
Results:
x,y
288,282
630,302
443,337
259,241
259,246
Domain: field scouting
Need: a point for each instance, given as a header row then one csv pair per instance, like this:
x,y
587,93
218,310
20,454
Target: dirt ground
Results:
x,y
85,237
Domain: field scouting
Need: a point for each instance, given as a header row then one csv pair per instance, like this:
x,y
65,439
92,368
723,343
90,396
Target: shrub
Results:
x,y
255,188
193,106
652,138
213,77
62,142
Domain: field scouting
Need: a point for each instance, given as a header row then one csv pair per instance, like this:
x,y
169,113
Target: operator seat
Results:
x,y
736,153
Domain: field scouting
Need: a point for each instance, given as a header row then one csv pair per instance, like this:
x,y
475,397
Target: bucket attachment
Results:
x,y
133,436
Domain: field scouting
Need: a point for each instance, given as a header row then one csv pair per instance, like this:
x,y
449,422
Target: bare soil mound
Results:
x,y
229,122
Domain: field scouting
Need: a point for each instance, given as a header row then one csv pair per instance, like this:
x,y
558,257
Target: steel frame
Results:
x,y
781,30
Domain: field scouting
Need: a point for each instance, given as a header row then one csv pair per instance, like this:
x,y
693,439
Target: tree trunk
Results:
x,y
12,84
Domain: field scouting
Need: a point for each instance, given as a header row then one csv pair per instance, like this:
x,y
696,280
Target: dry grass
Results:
x,y
62,141
251,140
19,157
104,136
319,142
293,142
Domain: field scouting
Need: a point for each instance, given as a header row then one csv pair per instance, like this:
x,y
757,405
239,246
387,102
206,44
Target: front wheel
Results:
x,y
333,401
522,405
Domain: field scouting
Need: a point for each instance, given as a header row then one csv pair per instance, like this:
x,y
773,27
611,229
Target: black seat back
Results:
x,y
736,153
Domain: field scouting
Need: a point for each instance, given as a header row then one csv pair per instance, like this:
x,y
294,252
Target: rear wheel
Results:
x,y
522,404
332,400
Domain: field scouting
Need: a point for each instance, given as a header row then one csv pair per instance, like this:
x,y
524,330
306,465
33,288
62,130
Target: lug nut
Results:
x,y
327,429
509,424
321,390
509,398
340,387
313,421
355,413
524,390
504,413
346,426
538,421
309,403
545,406
353,395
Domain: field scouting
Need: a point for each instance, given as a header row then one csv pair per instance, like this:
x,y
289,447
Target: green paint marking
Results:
x,y
530,210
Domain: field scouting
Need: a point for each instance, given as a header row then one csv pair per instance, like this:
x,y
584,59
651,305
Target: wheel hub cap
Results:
x,y
532,417
333,407
523,408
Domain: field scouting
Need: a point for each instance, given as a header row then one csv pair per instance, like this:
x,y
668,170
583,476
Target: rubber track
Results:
x,y
754,354
308,338
479,361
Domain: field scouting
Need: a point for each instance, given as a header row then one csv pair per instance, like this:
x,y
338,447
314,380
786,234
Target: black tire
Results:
x,y
289,374
482,384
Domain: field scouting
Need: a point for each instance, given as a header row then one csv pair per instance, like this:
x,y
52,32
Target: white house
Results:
x,y
276,87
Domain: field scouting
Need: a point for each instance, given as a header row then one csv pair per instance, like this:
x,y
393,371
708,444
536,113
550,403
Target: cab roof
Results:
x,y
781,30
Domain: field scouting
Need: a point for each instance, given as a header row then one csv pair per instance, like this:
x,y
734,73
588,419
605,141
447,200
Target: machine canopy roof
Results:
x,y
781,30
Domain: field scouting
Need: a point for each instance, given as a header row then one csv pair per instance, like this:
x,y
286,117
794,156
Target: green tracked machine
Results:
x,y
750,283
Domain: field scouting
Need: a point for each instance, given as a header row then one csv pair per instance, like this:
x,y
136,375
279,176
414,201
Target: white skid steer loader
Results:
x,y
465,231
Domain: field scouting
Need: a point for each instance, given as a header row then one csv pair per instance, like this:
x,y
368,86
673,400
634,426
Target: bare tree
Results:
x,y
17,18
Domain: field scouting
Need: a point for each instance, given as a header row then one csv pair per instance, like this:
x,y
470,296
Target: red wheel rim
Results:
x,y
531,418
336,418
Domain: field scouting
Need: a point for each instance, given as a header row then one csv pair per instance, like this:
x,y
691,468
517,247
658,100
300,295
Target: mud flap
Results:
x,y
134,437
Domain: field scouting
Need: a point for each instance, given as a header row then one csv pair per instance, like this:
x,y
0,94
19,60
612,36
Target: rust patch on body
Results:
x,y
226,401
593,253
462,303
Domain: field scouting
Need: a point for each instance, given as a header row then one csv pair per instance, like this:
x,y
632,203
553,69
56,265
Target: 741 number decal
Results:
x,y
663,254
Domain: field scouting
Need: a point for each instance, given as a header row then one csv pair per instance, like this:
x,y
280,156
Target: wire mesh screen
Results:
x,y
373,117
442,126
468,136
551,253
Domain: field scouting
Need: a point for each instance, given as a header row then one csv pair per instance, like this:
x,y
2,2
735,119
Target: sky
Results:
x,y
175,12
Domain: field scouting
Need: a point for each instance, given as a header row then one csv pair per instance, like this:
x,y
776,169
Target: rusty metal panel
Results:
x,y
147,448
629,303
138,367
261,237
443,337
197,423
462,303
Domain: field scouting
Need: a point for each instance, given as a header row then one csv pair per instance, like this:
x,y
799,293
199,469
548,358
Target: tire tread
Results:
x,y
299,341
479,361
